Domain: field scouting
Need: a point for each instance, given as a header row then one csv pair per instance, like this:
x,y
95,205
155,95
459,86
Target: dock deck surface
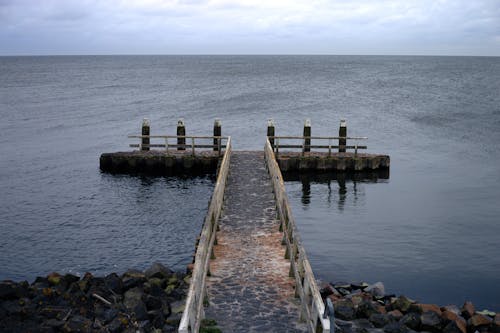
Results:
x,y
249,289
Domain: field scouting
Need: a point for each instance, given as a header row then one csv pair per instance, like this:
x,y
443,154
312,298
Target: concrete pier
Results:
x,y
155,162
325,162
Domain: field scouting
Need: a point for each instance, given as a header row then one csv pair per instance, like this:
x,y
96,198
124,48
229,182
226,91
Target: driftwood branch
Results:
x,y
102,299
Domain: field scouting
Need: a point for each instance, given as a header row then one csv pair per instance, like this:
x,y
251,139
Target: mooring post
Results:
x,y
307,136
181,135
217,132
270,132
342,136
145,132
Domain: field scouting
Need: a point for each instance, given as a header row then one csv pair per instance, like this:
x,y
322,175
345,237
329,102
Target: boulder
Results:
x,y
133,301
377,289
379,320
468,310
455,326
431,321
395,314
366,309
478,320
114,283
11,290
496,324
451,316
344,309
402,303
133,281
54,278
452,308
411,320
78,323
428,307
158,270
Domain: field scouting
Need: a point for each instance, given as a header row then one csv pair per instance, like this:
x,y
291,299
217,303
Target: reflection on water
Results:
x,y
345,185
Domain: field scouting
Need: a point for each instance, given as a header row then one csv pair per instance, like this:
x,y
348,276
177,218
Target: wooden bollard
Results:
x,y
307,136
217,132
181,131
270,131
145,131
342,136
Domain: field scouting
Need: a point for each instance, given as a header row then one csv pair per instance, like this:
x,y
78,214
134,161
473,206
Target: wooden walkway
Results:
x,y
249,289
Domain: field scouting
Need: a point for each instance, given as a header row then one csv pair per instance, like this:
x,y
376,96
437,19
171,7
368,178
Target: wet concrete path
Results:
x,y
249,289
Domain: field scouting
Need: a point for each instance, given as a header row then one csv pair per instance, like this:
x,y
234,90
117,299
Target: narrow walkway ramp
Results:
x,y
249,288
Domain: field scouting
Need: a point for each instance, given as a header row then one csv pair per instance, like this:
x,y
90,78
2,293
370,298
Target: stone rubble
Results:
x,y
149,301
363,308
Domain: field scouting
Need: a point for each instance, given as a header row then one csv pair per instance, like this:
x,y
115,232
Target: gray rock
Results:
x,y
379,320
455,326
402,303
344,309
366,309
377,289
158,270
133,278
431,321
116,325
114,283
452,308
78,324
363,323
411,320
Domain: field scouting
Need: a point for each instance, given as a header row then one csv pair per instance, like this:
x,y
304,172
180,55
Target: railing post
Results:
x,y
217,132
342,136
270,132
145,131
181,131
192,145
307,136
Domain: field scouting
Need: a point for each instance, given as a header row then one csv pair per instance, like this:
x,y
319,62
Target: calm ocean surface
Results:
x,y
431,231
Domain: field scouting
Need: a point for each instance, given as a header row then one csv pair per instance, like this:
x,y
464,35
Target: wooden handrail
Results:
x,y
306,143
193,312
321,137
177,136
312,306
216,145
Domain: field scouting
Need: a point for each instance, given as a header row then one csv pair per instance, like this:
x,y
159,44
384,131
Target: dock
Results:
x,y
250,271
249,289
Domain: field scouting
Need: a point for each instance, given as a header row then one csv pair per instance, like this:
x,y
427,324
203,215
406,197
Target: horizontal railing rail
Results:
x,y
334,142
312,306
180,142
193,311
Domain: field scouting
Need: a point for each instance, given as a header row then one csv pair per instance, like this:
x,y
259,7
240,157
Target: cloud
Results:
x,y
255,26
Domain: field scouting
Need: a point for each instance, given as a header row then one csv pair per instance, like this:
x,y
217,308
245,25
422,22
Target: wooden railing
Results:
x,y
334,142
180,142
312,306
193,312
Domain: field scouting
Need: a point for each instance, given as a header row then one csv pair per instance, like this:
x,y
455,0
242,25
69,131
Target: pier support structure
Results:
x,y
307,136
145,131
270,131
217,132
181,133
342,136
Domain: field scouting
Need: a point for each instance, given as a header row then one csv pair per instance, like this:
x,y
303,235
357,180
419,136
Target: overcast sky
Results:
x,y
434,27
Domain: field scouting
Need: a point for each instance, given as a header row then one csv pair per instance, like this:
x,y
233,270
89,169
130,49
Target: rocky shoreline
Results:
x,y
364,308
136,301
